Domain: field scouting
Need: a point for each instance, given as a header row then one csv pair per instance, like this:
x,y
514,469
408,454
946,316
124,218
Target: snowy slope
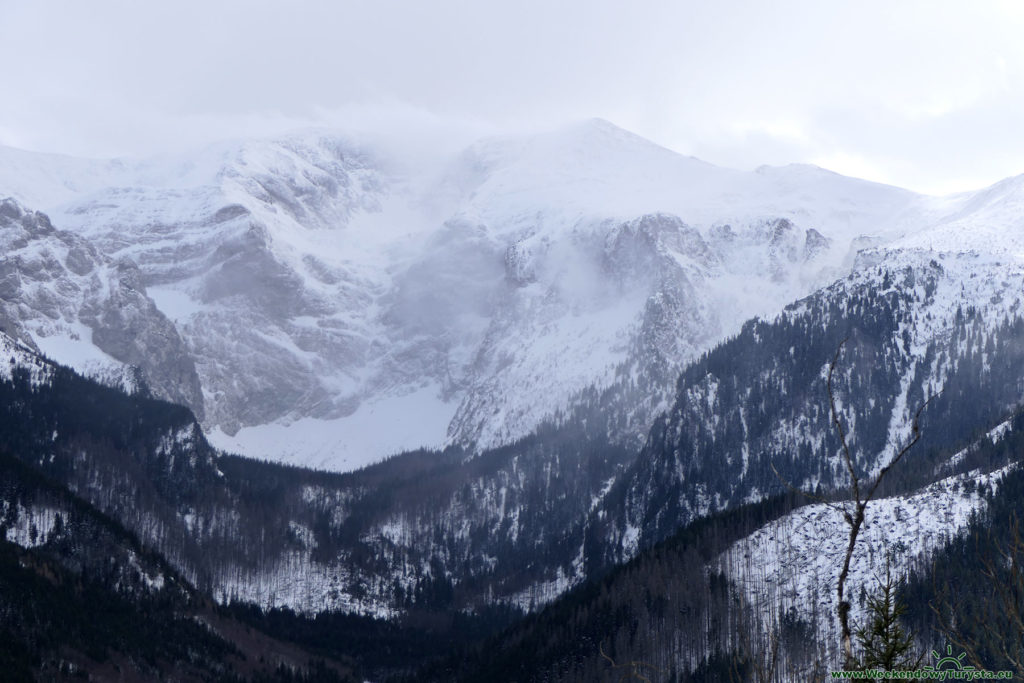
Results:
x,y
317,279
795,561
596,170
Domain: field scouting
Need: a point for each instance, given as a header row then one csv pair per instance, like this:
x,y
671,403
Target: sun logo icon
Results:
x,y
948,662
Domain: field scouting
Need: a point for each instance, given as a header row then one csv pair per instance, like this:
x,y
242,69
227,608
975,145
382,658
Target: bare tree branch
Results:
x,y
847,458
854,512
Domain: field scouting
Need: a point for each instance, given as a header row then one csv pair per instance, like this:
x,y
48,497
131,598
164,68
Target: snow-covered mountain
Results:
x,y
339,302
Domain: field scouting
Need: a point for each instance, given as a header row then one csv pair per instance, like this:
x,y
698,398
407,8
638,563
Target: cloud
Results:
x,y
924,93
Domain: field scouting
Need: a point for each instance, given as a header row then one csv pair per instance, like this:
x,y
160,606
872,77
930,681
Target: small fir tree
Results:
x,y
883,642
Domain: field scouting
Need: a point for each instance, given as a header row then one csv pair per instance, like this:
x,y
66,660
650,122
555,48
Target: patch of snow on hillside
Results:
x,y
71,344
795,561
995,435
32,526
373,432
541,593
296,582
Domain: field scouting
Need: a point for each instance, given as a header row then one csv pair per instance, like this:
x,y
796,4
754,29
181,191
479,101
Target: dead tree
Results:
x,y
853,511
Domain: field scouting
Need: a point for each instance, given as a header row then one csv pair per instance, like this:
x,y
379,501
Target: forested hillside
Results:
x,y
81,598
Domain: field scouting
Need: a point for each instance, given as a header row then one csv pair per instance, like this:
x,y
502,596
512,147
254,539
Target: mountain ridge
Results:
x,y
358,291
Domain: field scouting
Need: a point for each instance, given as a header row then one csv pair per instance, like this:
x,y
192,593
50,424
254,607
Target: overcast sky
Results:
x,y
927,95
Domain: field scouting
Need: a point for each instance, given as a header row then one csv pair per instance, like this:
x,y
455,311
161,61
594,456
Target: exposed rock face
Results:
x,y
60,295
274,316
128,326
815,244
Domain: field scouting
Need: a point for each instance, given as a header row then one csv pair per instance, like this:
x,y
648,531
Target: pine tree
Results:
x,y
883,642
